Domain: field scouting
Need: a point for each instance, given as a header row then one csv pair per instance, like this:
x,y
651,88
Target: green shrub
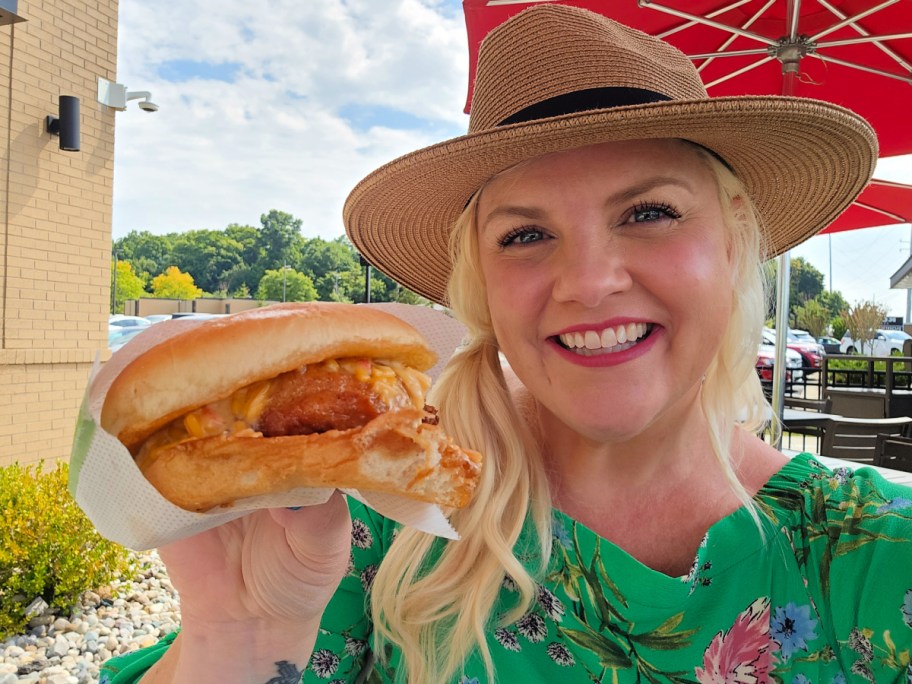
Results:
x,y
48,547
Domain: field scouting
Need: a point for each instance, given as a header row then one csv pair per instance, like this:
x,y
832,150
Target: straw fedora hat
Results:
x,y
556,77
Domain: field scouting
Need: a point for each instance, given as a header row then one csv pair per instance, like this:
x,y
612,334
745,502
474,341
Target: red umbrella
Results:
x,y
882,203
850,52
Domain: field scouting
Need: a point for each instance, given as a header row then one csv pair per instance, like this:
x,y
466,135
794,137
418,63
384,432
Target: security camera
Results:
x,y
115,95
145,103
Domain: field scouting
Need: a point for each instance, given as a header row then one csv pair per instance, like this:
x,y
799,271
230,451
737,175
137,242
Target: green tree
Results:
x,y
125,284
838,327
252,264
210,256
173,284
805,283
276,238
862,321
833,302
147,252
286,285
242,292
334,267
813,317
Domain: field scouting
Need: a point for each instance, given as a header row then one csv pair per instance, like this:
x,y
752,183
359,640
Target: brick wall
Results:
x,y
55,221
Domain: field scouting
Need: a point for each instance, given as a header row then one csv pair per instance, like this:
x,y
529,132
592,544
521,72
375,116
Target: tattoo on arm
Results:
x,y
288,674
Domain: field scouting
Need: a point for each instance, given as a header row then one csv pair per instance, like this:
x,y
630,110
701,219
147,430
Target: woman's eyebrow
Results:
x,y
514,211
645,186
532,213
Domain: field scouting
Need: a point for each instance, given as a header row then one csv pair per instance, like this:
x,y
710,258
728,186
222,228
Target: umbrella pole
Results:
x,y
783,277
790,59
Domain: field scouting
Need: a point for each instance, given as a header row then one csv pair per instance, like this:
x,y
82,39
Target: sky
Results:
x,y
288,104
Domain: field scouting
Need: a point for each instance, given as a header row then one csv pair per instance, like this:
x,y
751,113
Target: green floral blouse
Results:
x,y
823,595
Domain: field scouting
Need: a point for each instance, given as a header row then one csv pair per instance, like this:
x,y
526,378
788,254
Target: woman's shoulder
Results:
x,y
839,516
807,484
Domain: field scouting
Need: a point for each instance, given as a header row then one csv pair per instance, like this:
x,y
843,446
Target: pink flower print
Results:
x,y
743,654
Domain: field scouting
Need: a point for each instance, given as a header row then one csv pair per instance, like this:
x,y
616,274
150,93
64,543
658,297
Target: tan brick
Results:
x,y
57,232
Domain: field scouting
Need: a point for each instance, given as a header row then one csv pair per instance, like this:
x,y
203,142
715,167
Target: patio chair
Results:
x,y
855,439
893,452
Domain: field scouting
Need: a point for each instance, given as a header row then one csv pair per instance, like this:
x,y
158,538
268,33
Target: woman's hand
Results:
x,y
253,592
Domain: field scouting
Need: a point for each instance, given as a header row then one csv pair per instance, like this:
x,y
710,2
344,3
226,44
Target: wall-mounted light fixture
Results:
x,y
66,124
115,95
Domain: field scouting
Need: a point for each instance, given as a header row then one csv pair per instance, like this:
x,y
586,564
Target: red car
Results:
x,y
809,349
766,359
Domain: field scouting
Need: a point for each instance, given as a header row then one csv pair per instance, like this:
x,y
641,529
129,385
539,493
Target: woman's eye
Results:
x,y
522,236
647,213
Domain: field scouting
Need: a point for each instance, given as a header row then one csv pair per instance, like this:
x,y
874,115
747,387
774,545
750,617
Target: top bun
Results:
x,y
213,360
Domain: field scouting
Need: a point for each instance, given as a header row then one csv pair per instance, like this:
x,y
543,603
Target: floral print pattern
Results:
x,y
792,628
743,653
755,608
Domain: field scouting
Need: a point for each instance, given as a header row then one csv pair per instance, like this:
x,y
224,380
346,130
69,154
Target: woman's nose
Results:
x,y
590,273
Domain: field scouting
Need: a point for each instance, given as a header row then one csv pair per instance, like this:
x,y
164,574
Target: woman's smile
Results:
x,y
607,340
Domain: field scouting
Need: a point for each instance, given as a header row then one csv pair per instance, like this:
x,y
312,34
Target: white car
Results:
x,y
885,343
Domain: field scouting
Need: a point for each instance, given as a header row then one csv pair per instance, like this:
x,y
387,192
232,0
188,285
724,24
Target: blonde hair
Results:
x,y
437,613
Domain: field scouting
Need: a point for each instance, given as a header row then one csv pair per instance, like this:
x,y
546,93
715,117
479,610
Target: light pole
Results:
x,y
114,285
367,279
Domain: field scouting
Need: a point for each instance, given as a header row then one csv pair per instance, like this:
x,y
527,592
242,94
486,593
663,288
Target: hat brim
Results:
x,y
802,162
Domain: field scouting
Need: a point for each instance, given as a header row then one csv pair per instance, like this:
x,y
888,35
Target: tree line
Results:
x,y
825,312
272,261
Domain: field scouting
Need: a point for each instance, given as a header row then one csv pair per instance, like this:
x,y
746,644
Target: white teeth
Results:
x,y
624,336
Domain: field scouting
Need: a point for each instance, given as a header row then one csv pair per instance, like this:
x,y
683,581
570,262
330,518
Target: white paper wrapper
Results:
x,y
125,508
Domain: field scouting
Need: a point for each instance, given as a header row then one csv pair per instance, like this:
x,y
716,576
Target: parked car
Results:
x,y
766,361
119,325
809,349
126,334
885,343
122,321
195,316
157,318
830,345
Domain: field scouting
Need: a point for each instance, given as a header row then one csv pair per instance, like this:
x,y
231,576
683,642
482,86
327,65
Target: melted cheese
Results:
x,y
241,412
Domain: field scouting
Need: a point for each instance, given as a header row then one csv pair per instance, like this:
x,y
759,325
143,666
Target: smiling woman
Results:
x,y
600,232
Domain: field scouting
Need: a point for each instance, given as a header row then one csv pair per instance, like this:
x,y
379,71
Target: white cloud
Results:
x,y
219,152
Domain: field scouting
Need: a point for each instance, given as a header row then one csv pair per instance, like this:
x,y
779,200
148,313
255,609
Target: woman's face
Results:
x,y
608,280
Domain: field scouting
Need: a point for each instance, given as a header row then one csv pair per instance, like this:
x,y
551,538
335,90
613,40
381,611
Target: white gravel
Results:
x,y
57,649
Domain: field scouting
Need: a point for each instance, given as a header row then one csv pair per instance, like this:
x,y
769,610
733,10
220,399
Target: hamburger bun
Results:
x,y
397,448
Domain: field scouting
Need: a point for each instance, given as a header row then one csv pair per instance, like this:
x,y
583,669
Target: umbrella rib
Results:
x,y
492,3
897,217
846,20
734,53
864,39
716,13
738,72
899,77
792,26
728,41
886,50
705,21
889,184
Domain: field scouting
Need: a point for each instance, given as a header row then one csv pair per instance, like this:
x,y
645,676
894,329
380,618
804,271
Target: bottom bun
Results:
x,y
395,453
